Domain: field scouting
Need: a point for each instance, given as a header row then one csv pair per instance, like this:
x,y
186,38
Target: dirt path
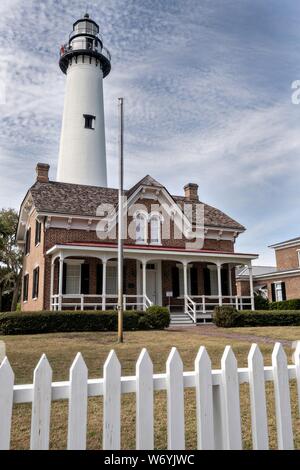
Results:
x,y
213,331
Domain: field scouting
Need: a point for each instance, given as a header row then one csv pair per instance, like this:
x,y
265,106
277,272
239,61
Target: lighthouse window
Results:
x,y
89,121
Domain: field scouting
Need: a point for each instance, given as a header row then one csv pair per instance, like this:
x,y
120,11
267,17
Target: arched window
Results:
x,y
155,229
141,228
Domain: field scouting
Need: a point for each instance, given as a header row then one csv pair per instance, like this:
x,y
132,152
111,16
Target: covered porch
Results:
x,y
84,277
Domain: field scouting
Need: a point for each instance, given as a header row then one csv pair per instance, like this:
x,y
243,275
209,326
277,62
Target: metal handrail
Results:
x,y
67,48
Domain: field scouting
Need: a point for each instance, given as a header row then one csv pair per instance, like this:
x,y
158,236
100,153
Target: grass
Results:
x,y
25,351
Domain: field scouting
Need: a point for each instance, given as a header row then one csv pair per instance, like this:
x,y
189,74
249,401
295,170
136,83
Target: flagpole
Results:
x,y
120,221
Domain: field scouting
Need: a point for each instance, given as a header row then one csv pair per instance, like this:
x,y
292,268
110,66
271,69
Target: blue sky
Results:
x,y
207,85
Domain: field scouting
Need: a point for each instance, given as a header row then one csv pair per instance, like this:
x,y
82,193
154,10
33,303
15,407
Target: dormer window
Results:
x,y
155,229
141,228
89,121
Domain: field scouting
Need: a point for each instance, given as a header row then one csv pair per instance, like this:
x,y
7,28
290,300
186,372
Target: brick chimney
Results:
x,y
42,172
191,191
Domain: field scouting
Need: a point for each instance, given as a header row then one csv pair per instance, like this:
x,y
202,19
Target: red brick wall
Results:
x,y
243,288
292,287
34,259
287,258
54,236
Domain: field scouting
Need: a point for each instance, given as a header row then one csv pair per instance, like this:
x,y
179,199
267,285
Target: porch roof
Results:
x,y
149,251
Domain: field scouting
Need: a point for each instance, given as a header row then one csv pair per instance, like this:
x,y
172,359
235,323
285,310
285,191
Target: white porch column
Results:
x,y
185,284
144,268
219,266
251,286
52,284
60,286
230,280
104,266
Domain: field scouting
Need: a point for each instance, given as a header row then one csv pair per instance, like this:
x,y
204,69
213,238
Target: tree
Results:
x,y
10,257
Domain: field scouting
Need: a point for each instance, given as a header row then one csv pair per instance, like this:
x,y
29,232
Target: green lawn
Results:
x,y
25,351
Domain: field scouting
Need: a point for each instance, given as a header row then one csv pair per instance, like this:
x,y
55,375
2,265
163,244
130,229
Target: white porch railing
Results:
x,y
138,301
218,412
191,308
96,302
202,306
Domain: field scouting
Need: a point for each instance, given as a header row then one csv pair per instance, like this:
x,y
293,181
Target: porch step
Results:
x,y
181,318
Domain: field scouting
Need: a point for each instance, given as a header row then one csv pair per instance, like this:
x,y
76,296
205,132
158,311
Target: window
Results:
x,y
278,291
213,280
38,230
140,229
111,280
89,43
155,230
89,121
35,283
73,279
25,287
27,241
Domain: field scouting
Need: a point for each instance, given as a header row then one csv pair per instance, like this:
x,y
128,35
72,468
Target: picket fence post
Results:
x,y
297,364
204,401
258,399
6,403
282,399
144,402
41,405
231,403
112,403
175,398
77,423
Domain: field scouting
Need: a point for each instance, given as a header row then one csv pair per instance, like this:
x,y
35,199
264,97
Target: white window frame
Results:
x,y
112,279
73,263
278,291
141,217
157,239
213,273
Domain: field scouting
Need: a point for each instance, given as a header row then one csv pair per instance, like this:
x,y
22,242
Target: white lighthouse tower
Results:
x,y
82,155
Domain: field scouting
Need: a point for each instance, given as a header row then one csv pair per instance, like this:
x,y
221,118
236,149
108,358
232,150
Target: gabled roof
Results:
x,y
80,200
146,181
285,243
213,217
257,271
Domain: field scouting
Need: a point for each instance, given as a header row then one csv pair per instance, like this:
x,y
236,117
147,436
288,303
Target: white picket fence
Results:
x,y
217,400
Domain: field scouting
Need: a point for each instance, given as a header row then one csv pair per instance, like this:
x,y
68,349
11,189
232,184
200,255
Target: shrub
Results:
x,y
261,303
71,321
158,317
228,317
293,304
225,316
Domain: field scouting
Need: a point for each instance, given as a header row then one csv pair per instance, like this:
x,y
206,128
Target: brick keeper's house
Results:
x,y
69,263
281,282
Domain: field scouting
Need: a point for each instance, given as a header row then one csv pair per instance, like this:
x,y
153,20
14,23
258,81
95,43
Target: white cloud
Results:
x,y
207,100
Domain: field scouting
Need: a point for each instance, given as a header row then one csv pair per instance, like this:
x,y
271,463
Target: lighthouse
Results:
x,y
86,62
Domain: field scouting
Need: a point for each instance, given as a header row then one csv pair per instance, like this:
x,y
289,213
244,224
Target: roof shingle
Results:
x,y
74,199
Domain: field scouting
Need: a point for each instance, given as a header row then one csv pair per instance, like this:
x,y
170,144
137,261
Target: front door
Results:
x,y
151,285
